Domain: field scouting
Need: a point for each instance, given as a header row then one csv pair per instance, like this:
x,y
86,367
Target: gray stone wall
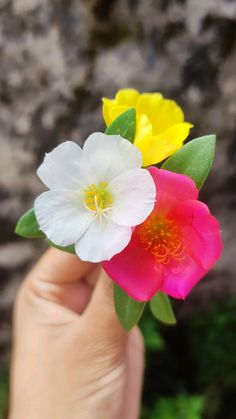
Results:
x,y
58,58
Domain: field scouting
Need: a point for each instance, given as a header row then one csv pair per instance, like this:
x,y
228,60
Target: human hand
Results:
x,y
71,357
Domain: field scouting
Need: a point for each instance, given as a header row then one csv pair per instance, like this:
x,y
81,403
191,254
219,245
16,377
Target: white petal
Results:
x,y
134,195
111,155
64,167
60,219
102,241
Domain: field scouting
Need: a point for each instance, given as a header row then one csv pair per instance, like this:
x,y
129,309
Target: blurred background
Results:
x,y
57,59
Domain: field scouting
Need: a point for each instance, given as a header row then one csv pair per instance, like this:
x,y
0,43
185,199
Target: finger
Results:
x,y
92,276
135,370
101,310
58,277
77,295
59,267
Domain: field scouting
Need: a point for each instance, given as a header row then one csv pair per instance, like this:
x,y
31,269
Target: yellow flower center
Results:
x,y
160,236
98,197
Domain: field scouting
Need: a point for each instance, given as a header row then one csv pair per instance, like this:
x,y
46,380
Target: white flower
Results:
x,y
96,195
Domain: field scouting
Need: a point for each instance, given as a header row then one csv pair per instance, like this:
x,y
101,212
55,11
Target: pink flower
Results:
x,y
174,248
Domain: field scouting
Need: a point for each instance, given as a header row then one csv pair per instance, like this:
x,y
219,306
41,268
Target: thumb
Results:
x,y
101,310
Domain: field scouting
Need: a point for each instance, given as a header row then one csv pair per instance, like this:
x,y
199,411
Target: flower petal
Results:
x,y
176,134
150,104
110,155
124,99
127,97
169,114
201,235
135,270
63,167
111,111
200,232
63,221
134,195
156,148
102,241
143,130
160,128
181,276
179,187
107,105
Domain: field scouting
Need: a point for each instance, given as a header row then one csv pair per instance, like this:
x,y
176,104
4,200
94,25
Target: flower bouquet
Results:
x,y
109,204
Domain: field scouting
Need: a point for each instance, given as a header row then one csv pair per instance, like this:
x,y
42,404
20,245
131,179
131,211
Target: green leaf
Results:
x,y
28,227
68,249
194,159
161,308
128,310
124,125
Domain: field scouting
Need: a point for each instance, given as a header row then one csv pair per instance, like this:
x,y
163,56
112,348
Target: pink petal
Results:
x,y
139,273
172,187
200,232
135,270
180,277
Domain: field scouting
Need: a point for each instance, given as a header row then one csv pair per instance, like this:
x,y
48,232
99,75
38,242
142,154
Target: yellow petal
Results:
x,y
154,150
116,111
111,110
127,97
177,133
160,128
108,104
157,148
169,114
150,105
143,128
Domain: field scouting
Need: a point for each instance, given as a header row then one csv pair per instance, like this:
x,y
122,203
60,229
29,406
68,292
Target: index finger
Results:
x,y
59,267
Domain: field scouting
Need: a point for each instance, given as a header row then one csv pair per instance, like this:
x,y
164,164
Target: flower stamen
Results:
x,y
160,236
98,199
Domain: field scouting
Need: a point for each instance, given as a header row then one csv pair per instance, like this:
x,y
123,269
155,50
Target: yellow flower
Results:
x,y
160,126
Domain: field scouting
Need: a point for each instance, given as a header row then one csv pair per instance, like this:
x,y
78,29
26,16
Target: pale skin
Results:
x,y
71,357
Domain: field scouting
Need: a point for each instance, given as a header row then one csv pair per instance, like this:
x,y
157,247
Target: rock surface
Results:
x,y
57,59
